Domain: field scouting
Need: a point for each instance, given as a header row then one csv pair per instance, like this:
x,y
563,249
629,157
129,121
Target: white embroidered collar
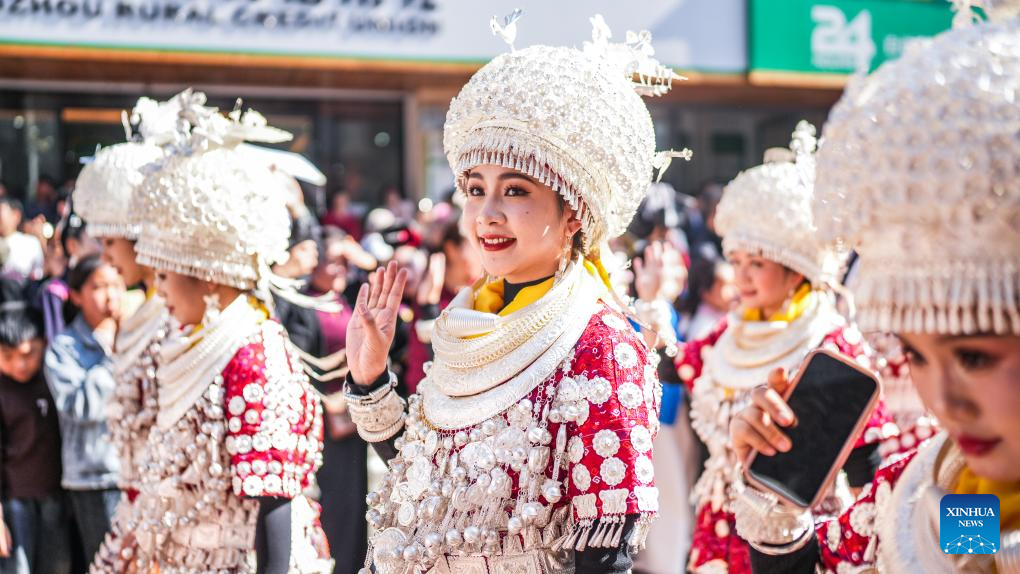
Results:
x,y
523,349
136,333
748,350
190,361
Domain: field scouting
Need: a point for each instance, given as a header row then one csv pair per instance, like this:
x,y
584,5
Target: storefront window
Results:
x,y
358,145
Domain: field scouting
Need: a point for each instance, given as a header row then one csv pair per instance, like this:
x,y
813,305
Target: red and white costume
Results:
x,y
521,476
765,212
237,420
716,543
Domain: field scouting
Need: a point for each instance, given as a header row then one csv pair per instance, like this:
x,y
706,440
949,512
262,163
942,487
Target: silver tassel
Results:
x,y
582,541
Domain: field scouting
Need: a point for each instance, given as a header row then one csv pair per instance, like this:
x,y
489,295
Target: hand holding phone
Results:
x,y
758,427
797,435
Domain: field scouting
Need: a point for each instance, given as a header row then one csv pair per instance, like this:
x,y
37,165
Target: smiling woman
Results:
x,y
785,312
527,447
521,227
950,293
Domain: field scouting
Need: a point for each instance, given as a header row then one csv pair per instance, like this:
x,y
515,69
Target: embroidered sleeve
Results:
x,y
274,424
610,446
689,361
850,541
850,342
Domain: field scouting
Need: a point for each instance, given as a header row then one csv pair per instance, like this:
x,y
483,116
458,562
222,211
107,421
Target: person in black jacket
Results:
x,y
34,536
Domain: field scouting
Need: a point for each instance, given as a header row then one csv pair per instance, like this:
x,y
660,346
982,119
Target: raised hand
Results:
x,y
660,274
370,332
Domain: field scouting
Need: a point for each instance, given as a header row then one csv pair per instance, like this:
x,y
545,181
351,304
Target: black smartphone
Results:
x,y
831,398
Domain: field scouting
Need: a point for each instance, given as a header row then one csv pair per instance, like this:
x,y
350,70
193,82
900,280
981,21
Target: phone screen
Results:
x,y
828,401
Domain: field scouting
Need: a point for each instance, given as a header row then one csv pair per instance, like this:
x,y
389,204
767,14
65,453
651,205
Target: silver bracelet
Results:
x,y
769,526
378,415
374,396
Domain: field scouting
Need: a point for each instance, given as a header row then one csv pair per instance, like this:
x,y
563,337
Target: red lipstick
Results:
x,y
496,242
976,446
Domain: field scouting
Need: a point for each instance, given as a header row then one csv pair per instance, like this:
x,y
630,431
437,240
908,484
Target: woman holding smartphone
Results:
x,y
785,312
929,195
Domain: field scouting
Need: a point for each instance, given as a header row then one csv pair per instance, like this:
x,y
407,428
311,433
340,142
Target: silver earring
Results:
x,y
564,261
212,308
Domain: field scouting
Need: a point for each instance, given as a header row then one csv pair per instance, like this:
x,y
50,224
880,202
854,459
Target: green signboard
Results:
x,y
838,36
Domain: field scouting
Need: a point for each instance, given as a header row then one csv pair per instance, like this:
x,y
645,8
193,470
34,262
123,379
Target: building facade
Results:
x,y
364,84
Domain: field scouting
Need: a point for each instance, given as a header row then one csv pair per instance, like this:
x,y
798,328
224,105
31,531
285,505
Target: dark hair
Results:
x,y
576,240
19,322
77,277
20,325
304,228
451,234
701,277
12,202
71,227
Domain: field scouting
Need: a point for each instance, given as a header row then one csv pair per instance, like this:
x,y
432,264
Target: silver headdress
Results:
x,y
107,185
212,210
572,119
920,172
767,210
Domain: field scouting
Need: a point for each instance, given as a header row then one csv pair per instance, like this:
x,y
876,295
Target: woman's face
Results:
x,y
762,283
972,384
305,256
330,276
120,253
516,224
723,294
101,295
184,296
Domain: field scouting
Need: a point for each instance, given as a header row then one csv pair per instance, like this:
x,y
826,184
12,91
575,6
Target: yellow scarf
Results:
x,y
489,297
800,301
1008,493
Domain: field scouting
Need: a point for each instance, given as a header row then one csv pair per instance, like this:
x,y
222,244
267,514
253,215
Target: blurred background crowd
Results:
x,y
364,86
62,303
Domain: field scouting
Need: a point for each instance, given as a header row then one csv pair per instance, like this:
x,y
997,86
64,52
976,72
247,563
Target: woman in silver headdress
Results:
x,y
527,446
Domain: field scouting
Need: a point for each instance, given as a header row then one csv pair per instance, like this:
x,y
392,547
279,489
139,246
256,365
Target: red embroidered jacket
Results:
x,y
715,537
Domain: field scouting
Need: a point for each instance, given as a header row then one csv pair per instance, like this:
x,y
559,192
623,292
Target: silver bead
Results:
x,y
411,553
571,413
489,427
530,512
453,538
472,534
539,435
490,536
514,525
485,460
555,415
552,492
373,498
519,454
460,439
433,540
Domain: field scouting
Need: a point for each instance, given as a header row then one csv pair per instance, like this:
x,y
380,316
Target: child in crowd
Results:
x,y
33,523
78,369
